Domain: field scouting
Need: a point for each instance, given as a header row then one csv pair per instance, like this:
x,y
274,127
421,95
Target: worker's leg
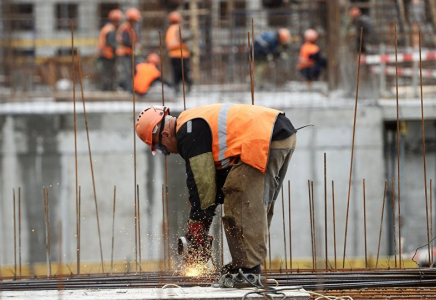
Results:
x,y
125,72
108,74
279,156
244,220
176,65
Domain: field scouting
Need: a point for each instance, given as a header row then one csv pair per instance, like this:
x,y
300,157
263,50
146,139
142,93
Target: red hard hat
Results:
x,y
133,14
355,12
115,15
147,122
175,17
153,58
284,36
310,35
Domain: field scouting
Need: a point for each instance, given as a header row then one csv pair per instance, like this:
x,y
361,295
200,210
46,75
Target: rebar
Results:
x,y
284,228
394,221
311,224
381,224
183,70
364,225
19,230
139,228
134,148
113,228
325,213
334,222
290,225
15,233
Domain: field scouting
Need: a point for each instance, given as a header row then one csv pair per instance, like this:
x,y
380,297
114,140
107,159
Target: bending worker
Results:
x,y
236,155
106,50
310,60
147,74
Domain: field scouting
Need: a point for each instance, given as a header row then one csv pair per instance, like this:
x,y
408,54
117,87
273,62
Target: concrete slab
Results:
x,y
149,294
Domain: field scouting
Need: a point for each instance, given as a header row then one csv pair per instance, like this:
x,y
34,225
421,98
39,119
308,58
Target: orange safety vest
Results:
x,y
105,50
306,50
238,130
172,40
146,73
123,50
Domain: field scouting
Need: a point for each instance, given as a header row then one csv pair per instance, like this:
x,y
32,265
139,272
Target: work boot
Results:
x,y
230,269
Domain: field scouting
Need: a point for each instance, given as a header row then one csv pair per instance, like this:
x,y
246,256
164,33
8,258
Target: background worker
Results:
x,y
147,74
361,21
267,47
236,155
310,60
173,44
127,38
106,50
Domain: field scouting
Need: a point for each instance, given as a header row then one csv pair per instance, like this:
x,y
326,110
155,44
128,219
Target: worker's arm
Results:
x,y
194,140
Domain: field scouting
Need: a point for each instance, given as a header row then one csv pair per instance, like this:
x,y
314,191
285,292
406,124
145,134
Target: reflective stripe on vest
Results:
x,y
238,131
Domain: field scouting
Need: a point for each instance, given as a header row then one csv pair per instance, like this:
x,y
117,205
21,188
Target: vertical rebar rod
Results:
x,y
269,249
161,68
398,145
167,206
334,222
352,151
113,229
381,224
423,149
48,228
75,144
139,228
79,226
364,225
253,81
431,221
250,66
46,231
15,233
394,221
164,230
290,225
325,213
90,158
19,230
311,224
284,228
183,70
222,236
59,267
134,149
314,224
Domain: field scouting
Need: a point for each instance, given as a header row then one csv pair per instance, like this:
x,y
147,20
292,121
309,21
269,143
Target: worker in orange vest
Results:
x,y
147,74
173,44
236,155
127,39
106,50
310,60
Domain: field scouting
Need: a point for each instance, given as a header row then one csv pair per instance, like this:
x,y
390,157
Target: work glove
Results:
x,y
199,242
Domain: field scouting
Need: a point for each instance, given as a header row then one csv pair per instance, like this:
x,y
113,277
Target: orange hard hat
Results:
x,y
355,12
153,58
115,15
175,17
284,36
147,123
310,35
133,14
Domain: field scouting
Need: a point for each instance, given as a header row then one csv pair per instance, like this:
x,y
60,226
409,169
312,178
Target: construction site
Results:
x,y
88,212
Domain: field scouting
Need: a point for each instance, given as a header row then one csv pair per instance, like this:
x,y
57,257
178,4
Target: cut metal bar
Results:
x,y
314,224
59,268
15,233
431,221
139,228
113,229
398,145
79,224
325,213
167,205
161,68
381,224
222,236
364,225
334,223
19,230
352,150
183,71
75,145
90,159
164,230
311,224
423,149
284,228
250,66
290,225
134,149
253,82
394,221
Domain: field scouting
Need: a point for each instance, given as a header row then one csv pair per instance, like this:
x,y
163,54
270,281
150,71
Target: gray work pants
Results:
x,y
249,198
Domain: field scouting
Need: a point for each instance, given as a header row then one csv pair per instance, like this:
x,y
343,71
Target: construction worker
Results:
x,y
106,50
267,47
310,60
236,155
147,74
127,38
173,44
361,21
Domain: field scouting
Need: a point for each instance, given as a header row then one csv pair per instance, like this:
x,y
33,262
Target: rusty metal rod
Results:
x,y
15,233
252,61
431,221
164,230
325,213
250,66
139,228
394,221
398,145
161,68
381,224
290,225
423,148
314,224
80,224
334,222
269,248
183,70
113,228
135,218
311,224
19,230
364,225
90,159
284,228
222,236
134,148
75,143
352,151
